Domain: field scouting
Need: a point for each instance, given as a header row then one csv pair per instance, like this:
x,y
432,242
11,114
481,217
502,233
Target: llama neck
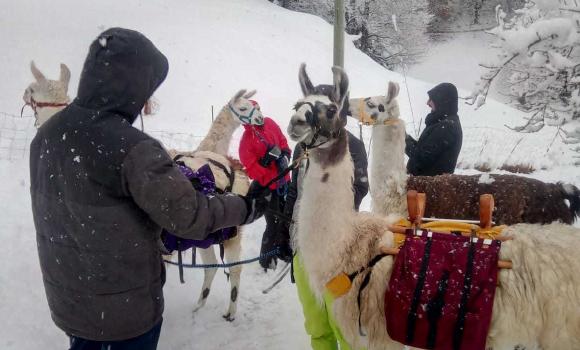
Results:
x,y
44,113
388,172
220,134
326,212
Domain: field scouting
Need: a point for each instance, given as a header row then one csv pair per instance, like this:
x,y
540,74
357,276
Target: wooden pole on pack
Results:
x,y
486,205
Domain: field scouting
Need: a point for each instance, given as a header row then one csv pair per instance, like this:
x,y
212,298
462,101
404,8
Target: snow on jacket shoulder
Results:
x,y
255,143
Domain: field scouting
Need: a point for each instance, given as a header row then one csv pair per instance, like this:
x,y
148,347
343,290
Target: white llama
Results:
x,y
537,301
213,151
47,97
388,173
518,199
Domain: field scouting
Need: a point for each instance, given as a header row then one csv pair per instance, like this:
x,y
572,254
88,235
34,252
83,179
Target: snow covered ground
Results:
x,y
214,48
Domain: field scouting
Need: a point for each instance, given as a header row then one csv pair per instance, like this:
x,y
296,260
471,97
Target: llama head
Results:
x,y
45,90
377,109
319,117
244,110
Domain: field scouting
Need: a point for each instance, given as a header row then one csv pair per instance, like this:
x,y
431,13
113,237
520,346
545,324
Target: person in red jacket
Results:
x,y
264,152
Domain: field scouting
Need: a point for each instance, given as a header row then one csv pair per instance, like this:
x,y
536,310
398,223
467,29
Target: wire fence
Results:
x,y
15,135
17,132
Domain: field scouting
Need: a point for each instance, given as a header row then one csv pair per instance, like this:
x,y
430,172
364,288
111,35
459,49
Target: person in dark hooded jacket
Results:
x,y
101,193
438,147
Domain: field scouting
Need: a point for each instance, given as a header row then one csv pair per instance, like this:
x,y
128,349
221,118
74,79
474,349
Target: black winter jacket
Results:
x,y
101,192
360,181
438,147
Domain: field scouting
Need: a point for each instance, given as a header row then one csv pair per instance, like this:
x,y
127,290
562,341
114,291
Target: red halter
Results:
x,y
34,105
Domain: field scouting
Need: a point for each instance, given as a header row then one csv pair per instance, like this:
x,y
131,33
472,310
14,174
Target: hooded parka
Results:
x,y
438,147
101,192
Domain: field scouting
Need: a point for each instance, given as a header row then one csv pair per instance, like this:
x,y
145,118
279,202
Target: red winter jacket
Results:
x,y
253,146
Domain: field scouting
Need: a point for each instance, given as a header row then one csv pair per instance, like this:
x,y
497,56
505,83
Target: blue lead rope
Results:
x,y
226,265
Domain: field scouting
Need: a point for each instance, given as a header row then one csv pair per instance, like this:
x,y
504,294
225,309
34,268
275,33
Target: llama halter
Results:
x,y
366,119
246,119
313,120
35,105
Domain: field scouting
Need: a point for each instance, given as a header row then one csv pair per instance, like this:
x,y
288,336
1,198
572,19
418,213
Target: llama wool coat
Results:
x,y
438,147
101,192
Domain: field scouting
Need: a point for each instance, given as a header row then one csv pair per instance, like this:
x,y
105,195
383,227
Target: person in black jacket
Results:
x,y
438,147
101,193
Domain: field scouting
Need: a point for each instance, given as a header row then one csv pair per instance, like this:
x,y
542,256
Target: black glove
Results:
x,y
282,163
256,201
272,154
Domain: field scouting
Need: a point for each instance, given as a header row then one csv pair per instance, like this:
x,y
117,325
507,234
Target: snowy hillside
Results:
x,y
214,49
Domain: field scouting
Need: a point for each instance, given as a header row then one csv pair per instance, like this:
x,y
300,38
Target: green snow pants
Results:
x,y
319,322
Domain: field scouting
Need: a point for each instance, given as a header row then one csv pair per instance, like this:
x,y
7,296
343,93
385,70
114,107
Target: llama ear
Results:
x,y
305,83
340,85
392,91
238,95
250,94
37,74
64,75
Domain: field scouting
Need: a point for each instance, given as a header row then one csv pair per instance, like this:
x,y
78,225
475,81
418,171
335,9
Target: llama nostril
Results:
x,y
381,108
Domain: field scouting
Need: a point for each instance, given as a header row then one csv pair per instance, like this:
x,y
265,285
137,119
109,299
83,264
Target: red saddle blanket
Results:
x,y
441,291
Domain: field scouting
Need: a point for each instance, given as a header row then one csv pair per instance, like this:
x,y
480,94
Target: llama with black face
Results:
x,y
331,236
536,303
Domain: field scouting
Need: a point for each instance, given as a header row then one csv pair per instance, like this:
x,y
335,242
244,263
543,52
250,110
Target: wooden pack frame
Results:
x,y
416,207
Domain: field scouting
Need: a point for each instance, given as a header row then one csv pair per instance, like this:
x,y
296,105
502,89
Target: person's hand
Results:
x,y
256,201
273,153
282,163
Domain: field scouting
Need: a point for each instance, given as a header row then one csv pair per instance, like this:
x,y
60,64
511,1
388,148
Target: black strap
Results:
x,y
222,253
435,309
363,285
460,325
193,256
292,280
229,173
178,157
180,261
412,317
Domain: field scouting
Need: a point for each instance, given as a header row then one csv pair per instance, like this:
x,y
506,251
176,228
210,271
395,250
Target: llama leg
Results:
x,y
207,257
232,250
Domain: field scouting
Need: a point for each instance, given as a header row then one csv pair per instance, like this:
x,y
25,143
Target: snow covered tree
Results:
x,y
538,67
466,15
390,32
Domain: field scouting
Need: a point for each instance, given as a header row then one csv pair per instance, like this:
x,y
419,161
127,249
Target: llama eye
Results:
x,y
371,105
330,111
243,109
